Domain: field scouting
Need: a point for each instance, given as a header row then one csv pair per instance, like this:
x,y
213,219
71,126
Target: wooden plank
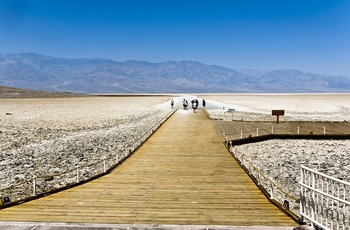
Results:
x,y
233,129
182,175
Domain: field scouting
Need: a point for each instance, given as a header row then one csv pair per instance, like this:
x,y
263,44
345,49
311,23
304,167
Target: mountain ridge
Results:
x,y
97,75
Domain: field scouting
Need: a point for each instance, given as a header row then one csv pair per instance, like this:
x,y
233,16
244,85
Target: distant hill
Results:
x,y
96,75
10,92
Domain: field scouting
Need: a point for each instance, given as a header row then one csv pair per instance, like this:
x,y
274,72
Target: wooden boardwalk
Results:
x,y
235,130
183,175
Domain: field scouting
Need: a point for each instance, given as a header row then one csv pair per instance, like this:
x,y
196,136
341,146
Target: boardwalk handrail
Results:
x,y
258,132
325,200
252,116
77,175
255,172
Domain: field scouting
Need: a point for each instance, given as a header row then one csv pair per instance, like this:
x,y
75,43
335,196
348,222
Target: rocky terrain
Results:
x,y
281,160
47,136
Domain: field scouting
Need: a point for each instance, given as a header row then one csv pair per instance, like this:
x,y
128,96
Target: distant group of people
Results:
x,y
194,103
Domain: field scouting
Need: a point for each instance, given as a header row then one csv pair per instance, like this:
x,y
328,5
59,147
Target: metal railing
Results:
x,y
324,200
42,185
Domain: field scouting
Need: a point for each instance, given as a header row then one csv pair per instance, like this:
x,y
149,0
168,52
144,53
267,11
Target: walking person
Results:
x,y
172,103
203,103
185,104
194,105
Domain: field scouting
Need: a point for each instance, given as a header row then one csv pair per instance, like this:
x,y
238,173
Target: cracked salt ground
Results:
x,y
281,159
69,132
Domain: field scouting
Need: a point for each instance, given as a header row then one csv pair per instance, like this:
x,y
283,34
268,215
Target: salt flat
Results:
x,y
44,136
311,107
50,135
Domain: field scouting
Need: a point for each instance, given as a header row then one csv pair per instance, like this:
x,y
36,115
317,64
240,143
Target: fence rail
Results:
x,y
38,186
267,117
275,191
325,201
228,133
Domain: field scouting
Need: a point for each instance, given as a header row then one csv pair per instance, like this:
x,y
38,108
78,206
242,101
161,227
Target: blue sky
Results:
x,y
308,35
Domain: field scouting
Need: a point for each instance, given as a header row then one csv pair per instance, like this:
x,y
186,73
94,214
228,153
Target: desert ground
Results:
x,y
47,135
298,107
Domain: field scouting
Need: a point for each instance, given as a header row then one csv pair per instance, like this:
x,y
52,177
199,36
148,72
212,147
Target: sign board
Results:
x,y
230,111
278,112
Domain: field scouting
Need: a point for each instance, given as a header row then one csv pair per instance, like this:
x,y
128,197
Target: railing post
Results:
x,y
298,130
272,130
324,130
241,134
257,132
34,185
78,174
313,197
104,165
344,195
271,189
301,204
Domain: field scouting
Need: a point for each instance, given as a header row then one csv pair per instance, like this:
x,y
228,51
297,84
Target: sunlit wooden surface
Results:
x,y
234,130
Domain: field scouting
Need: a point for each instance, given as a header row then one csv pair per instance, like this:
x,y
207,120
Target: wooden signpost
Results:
x,y
230,111
278,113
